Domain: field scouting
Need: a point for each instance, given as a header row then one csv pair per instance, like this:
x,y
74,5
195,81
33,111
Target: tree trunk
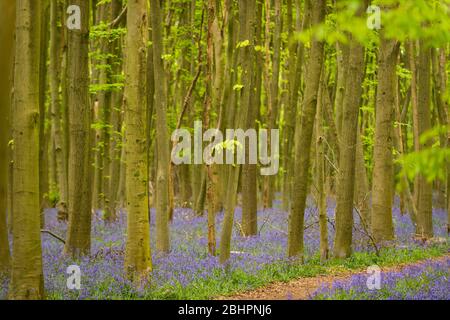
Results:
x,y
43,132
289,130
163,162
247,20
440,79
422,123
55,103
102,159
78,241
346,176
249,183
320,175
115,135
383,172
27,280
342,72
7,16
274,101
137,253
362,190
303,137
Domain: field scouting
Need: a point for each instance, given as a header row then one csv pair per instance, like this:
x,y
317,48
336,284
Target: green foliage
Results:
x,y
238,87
400,19
430,162
53,196
103,31
243,44
417,19
98,87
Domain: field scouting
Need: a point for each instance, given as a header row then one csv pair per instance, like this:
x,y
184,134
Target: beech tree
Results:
x,y
163,156
137,256
383,172
303,137
246,31
7,15
346,176
78,240
422,123
27,279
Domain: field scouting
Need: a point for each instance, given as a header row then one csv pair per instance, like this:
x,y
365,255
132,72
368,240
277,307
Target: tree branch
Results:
x,y
53,235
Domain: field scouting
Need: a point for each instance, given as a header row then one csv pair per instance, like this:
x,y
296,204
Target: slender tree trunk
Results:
x,y
102,111
249,183
211,183
78,241
121,194
151,123
64,99
137,253
27,280
274,93
43,132
362,189
440,79
320,174
55,78
247,20
115,153
422,123
383,172
7,16
342,71
162,175
303,137
290,113
115,135
200,185
346,177
406,194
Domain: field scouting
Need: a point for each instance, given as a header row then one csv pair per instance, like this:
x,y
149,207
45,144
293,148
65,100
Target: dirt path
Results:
x,y
302,288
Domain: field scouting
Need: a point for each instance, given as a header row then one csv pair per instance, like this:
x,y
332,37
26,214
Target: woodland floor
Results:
x,y
189,272
303,288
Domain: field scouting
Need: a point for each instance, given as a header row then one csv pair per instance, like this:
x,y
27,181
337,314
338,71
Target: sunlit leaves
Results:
x,y
430,162
400,19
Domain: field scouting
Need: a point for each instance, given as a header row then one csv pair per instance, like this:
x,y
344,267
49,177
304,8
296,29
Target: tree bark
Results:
x,y
7,15
303,137
78,241
383,172
137,254
43,132
27,280
246,19
346,175
320,175
163,162
440,80
55,103
273,87
295,77
422,123
249,183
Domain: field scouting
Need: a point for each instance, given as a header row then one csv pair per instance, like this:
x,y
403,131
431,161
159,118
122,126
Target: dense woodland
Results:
x,y
91,91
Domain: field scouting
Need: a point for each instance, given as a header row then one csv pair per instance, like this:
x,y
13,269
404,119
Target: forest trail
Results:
x,y
303,288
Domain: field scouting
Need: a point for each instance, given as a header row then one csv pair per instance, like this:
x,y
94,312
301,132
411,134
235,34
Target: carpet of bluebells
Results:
x,y
188,271
424,281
